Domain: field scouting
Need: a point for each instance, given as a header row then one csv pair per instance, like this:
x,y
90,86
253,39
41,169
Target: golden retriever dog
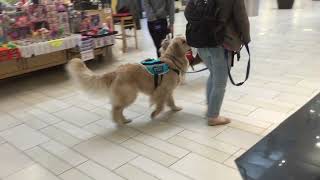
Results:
x,y
124,84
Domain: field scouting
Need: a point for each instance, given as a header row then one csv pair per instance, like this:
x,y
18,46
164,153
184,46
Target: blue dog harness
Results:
x,y
157,68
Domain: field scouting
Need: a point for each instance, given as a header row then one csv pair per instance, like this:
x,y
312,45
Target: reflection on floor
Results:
x,y
50,130
291,151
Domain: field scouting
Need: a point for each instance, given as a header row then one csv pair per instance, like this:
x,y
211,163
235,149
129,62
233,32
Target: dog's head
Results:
x,y
180,45
176,52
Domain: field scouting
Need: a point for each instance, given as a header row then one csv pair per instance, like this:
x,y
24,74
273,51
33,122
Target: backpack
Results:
x,y
205,27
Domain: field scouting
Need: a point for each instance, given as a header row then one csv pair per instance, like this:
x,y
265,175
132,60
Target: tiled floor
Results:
x,y
50,130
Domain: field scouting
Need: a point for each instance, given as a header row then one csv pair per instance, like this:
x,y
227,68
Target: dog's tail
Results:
x,y
88,80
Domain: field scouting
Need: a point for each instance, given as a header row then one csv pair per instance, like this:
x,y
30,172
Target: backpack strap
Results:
x,y
232,63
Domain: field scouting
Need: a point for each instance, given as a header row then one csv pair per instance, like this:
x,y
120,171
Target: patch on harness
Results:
x,y
155,66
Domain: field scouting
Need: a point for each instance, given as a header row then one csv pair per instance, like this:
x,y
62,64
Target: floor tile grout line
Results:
x,y
22,152
147,146
111,170
137,155
165,141
167,167
128,163
39,146
213,138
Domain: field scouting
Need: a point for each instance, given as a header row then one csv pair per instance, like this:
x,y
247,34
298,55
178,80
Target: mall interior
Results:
x,y
50,129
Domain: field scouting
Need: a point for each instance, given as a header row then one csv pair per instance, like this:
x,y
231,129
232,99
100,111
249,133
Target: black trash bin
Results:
x,y
285,4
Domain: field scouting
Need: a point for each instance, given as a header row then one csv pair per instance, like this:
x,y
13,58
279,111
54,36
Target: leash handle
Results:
x,y
238,58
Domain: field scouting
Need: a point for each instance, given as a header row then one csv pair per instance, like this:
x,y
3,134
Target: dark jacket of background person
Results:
x,y
159,9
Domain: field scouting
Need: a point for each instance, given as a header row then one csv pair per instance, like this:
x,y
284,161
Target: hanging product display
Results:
x,y
45,33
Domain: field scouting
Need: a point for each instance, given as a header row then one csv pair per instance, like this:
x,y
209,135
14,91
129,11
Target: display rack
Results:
x,y
44,45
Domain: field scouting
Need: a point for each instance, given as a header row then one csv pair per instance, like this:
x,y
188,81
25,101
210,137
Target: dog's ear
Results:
x,y
164,45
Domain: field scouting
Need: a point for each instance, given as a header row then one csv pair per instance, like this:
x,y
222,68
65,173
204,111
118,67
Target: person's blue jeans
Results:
x,y
215,60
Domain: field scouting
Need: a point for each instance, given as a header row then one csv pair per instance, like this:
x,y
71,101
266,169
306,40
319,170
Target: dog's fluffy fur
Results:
x,y
124,84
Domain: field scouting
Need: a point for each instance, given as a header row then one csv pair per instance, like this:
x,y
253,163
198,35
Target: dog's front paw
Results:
x,y
176,108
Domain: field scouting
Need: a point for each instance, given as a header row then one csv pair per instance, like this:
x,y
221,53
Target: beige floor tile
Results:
x,y
270,129
200,149
52,106
313,84
157,170
111,131
207,141
246,127
268,116
34,172
238,138
78,102
232,95
290,89
200,168
49,161
192,108
149,152
194,123
247,120
240,153
23,137
70,156
97,172
257,91
97,101
43,116
105,153
292,98
7,121
133,173
238,108
161,145
267,104
158,129
32,98
29,119
74,174
12,104
77,116
60,136
12,160
74,131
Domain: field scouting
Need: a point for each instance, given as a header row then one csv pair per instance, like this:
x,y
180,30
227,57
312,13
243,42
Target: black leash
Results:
x,y
232,62
228,65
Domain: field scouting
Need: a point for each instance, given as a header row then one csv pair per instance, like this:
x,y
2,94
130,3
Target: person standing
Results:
x,y
157,12
217,28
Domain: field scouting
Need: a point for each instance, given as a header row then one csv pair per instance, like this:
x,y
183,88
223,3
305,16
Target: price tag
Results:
x,y
87,55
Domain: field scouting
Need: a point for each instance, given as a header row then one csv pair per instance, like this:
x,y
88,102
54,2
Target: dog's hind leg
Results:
x,y
122,100
171,104
117,115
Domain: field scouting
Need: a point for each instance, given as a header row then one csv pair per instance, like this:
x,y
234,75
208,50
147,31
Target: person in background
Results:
x,y
157,12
